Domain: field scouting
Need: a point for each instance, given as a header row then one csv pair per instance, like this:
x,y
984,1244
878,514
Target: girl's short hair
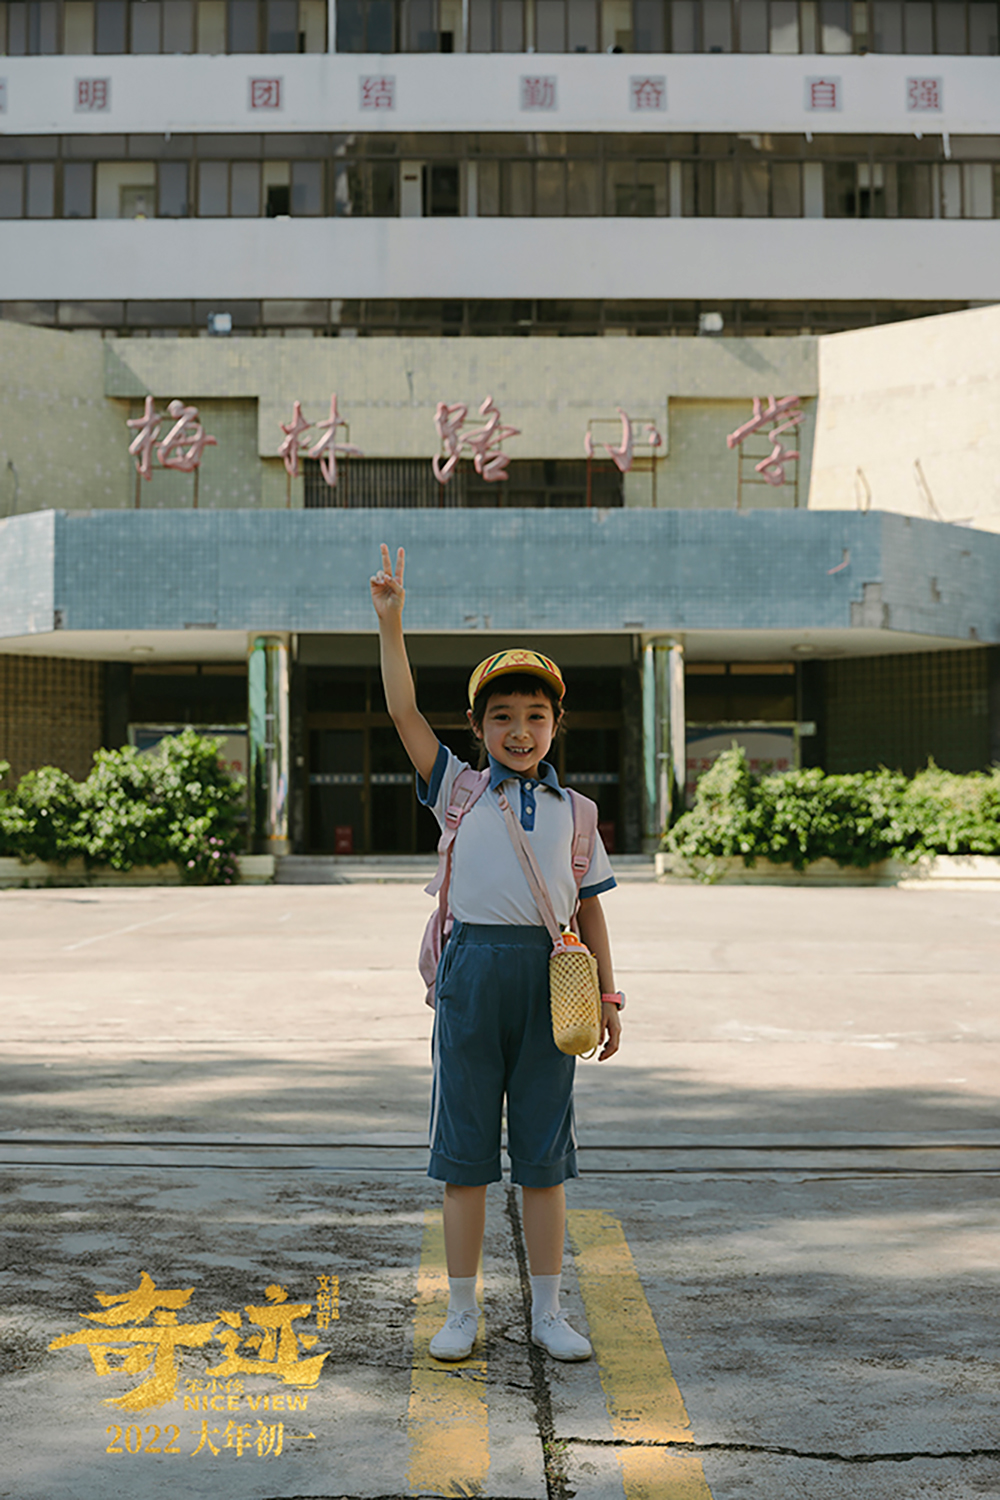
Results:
x,y
525,685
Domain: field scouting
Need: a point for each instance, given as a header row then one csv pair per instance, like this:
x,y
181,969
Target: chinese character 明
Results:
x,y
276,1350
328,449
187,430
378,92
148,430
265,93
93,95
823,93
538,93
141,1345
924,94
648,93
289,450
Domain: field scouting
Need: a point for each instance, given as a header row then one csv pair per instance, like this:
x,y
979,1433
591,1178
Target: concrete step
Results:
x,y
381,869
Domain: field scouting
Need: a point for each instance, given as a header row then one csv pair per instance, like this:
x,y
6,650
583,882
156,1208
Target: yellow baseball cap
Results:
x,y
530,662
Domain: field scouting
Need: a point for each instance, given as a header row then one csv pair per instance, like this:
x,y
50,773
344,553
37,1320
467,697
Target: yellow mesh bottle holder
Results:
x,y
576,1001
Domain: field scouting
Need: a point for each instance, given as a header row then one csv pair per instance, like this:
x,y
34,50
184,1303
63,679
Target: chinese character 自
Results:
x,y
924,94
93,95
822,93
538,93
648,93
377,91
265,93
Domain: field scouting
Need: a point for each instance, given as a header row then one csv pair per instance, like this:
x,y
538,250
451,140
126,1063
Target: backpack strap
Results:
x,y
466,790
585,817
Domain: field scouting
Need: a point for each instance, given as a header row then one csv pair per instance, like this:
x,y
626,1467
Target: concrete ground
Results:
x,y
784,1243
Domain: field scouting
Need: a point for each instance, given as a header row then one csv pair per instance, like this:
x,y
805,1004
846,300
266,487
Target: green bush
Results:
x,y
178,804
802,816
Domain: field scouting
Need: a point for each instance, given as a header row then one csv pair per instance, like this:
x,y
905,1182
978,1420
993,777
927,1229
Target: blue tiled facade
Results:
x,y
581,571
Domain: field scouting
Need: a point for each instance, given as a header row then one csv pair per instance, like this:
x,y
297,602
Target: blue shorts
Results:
x,y
493,1038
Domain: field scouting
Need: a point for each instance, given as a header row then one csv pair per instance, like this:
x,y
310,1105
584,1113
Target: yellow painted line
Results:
x,y
448,1424
643,1399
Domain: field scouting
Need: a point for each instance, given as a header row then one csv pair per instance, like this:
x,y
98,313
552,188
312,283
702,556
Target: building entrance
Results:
x,y
360,784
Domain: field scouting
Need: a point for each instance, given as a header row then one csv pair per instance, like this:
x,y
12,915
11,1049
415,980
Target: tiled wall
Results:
x,y
51,714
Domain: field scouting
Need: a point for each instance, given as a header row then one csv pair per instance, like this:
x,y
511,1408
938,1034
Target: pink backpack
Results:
x,y
468,787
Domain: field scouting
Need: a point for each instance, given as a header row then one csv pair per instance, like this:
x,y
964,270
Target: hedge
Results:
x,y
179,804
800,816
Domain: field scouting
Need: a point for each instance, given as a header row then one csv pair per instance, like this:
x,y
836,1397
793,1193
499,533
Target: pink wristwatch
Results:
x,y
618,998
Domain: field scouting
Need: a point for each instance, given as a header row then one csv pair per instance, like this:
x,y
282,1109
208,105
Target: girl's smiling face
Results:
x,y
517,729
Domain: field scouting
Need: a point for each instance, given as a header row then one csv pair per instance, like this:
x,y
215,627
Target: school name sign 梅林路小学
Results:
x,y
140,1334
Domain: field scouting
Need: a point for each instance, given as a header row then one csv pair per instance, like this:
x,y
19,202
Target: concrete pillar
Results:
x,y
993,670
268,717
663,736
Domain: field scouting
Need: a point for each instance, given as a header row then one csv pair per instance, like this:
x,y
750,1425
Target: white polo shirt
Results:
x,y
488,884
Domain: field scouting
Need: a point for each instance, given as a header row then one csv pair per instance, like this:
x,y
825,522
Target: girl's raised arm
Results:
x,y
419,740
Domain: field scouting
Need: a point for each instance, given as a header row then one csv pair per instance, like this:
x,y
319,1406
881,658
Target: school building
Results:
x,y
671,209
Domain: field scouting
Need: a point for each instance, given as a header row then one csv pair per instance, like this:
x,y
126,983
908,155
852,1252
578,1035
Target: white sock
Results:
x,y
544,1297
462,1295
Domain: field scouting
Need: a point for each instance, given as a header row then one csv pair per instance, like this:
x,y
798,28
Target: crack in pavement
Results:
x,y
782,1452
556,1482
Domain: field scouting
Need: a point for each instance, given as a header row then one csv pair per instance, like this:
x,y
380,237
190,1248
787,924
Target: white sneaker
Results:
x,y
456,1338
557,1338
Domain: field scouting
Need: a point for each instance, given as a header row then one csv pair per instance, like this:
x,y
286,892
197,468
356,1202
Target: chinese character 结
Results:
x,y
377,91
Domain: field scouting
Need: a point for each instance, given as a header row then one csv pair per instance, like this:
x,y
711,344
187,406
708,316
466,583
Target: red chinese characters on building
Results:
x,y
925,95
648,93
265,93
327,450
484,443
92,96
622,455
289,449
181,449
823,93
539,92
780,416
377,91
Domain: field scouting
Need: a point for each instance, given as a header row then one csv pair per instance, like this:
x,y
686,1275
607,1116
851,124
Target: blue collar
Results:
x,y
546,776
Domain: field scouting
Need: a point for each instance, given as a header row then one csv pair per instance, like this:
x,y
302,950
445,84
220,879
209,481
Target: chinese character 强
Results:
x,y
822,93
93,95
648,93
485,441
378,92
785,414
328,449
924,94
265,93
140,1332
538,93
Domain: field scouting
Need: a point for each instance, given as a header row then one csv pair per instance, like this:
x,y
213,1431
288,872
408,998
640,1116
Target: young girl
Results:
x,y
492,1025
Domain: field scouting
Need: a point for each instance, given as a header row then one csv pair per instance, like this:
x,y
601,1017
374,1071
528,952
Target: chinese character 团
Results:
x,y
276,1350
187,430
93,95
538,93
117,1349
648,93
822,93
328,449
265,93
377,91
924,94
289,450
785,415
141,446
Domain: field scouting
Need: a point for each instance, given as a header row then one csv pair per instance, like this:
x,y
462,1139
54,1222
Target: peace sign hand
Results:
x,y
388,593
